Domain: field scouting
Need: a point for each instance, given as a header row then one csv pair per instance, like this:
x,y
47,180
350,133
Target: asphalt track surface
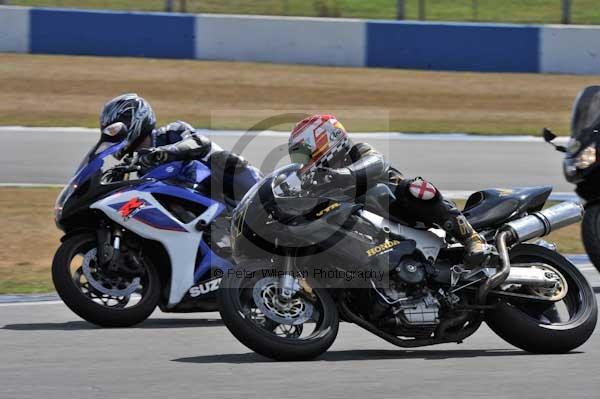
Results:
x,y
47,352
35,155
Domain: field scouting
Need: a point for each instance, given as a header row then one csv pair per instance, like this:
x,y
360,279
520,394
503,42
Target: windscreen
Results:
x,y
586,111
93,153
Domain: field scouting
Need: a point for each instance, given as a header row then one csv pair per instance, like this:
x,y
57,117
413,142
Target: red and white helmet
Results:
x,y
319,140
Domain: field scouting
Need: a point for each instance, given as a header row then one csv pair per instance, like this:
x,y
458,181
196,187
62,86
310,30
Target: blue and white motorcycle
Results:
x,y
132,244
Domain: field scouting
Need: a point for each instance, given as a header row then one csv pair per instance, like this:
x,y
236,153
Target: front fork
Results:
x,y
287,283
109,245
292,283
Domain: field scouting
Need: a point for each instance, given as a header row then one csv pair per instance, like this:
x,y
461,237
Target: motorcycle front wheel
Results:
x,y
540,326
103,298
299,329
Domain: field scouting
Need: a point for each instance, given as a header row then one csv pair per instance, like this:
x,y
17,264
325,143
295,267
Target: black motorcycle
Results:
x,y
309,256
581,166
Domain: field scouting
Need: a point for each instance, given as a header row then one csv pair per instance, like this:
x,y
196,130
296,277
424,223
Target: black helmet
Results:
x,y
137,115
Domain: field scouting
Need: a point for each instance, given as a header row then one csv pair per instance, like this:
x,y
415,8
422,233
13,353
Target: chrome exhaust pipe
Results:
x,y
502,271
541,223
537,224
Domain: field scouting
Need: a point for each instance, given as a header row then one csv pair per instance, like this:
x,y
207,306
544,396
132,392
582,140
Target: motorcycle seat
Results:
x,y
492,207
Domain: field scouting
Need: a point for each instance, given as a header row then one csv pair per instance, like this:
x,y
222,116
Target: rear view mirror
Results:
x,y
549,136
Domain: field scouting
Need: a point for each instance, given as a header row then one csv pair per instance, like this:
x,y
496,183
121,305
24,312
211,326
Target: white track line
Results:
x,y
30,303
31,185
406,136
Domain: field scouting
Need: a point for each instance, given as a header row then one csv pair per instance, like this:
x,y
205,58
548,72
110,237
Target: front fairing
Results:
x,y
194,172
269,223
89,169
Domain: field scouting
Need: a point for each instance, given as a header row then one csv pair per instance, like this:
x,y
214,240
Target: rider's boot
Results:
x,y
477,250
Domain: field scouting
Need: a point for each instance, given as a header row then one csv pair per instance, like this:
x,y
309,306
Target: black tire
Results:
x,y
84,306
590,233
262,341
514,325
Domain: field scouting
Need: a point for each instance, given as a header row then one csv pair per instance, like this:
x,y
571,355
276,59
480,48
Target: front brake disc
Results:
x,y
266,297
98,286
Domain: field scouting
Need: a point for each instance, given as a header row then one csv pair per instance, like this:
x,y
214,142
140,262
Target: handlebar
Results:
x,y
126,168
118,172
316,179
130,164
311,186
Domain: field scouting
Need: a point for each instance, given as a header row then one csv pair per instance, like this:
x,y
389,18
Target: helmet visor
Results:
x,y
300,153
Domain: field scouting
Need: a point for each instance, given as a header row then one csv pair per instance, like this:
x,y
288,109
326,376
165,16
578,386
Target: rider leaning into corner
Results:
x,y
321,144
177,141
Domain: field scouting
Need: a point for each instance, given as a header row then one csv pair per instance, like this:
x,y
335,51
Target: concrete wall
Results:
x,y
316,41
570,49
14,29
320,41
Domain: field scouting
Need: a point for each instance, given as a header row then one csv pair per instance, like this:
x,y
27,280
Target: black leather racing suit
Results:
x,y
416,201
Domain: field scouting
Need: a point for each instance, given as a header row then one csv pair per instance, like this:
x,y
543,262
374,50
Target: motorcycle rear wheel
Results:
x,y
257,329
558,327
91,305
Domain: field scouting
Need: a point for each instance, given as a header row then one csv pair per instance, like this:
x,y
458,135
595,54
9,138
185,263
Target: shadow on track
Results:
x,y
84,325
353,355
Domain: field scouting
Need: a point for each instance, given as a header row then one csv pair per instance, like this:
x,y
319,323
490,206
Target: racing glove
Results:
x,y
341,178
151,157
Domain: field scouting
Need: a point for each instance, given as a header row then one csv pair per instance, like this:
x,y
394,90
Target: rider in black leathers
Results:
x,y
322,145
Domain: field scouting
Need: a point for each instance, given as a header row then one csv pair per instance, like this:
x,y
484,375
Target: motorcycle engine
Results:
x,y
410,271
407,304
423,310
420,309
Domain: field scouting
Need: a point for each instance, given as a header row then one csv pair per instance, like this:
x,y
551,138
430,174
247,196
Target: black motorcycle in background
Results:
x,y
581,164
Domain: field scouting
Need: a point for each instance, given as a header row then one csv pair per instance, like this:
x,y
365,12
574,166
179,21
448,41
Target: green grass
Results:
x,y
522,11
40,285
25,262
69,91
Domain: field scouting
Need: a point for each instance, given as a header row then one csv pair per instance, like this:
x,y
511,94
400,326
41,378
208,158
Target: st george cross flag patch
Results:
x,y
422,189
